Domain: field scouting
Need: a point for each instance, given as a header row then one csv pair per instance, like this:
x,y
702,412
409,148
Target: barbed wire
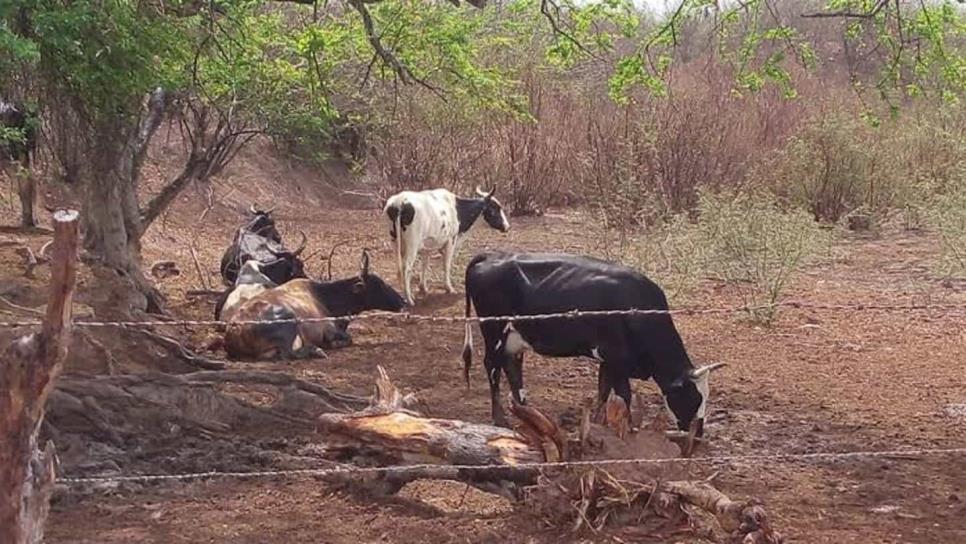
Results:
x,y
346,469
572,314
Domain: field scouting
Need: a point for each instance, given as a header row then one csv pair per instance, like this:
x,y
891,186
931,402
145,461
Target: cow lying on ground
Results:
x,y
627,346
260,240
436,221
256,298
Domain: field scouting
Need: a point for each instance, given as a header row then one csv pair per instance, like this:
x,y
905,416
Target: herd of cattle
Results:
x,y
271,307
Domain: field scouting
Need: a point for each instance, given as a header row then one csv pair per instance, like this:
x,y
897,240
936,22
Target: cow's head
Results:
x,y
493,212
263,224
687,398
373,293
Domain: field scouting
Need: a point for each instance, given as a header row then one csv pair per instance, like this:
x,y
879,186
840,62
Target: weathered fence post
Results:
x,y
28,369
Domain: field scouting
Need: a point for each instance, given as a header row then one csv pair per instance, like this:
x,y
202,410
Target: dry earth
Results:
x,y
816,381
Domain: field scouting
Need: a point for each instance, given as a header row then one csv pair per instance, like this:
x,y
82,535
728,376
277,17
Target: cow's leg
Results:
x,y
513,366
615,367
337,336
312,340
603,385
283,338
493,363
622,386
449,250
424,275
408,275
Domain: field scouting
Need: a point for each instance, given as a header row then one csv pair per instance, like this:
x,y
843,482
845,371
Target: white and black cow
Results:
x,y
436,221
627,346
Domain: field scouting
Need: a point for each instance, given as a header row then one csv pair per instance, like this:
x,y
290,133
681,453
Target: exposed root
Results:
x,y
179,351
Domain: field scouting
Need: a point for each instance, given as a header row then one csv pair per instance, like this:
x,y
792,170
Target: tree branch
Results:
x,y
388,57
557,29
849,14
162,200
156,105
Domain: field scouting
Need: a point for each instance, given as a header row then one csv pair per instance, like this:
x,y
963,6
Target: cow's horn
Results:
x,y
268,211
253,210
697,373
302,246
481,192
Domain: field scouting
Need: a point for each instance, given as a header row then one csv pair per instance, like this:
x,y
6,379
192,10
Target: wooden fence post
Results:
x,y
28,369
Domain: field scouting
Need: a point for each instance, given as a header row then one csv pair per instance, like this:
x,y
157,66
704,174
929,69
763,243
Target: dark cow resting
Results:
x,y
259,240
627,346
305,299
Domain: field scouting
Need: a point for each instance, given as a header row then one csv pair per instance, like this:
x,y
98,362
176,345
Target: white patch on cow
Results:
x,y
704,388
499,344
239,296
493,375
506,222
514,342
701,377
297,343
523,395
595,353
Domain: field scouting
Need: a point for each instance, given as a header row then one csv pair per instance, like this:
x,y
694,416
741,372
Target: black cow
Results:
x,y
259,240
627,346
18,149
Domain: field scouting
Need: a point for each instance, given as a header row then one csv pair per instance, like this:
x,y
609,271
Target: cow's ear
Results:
x,y
365,263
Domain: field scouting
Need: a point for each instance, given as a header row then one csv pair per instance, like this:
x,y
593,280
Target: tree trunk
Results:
x,y
112,217
27,189
28,369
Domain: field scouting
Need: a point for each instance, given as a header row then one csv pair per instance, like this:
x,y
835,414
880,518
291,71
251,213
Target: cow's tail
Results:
x,y
399,256
467,340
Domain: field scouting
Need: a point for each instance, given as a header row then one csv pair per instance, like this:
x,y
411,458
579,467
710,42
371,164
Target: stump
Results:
x,y
28,370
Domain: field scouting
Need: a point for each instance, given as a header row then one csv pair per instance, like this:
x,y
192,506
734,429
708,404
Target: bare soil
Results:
x,y
815,381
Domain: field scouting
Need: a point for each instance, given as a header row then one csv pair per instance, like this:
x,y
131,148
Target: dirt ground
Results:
x,y
815,381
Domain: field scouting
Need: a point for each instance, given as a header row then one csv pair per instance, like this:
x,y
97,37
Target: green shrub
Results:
x,y
745,240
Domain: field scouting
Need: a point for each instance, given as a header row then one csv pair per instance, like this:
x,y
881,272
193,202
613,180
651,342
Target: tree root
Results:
x,y
177,350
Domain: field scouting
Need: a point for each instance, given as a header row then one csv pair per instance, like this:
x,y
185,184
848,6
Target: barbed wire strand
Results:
x,y
572,314
344,469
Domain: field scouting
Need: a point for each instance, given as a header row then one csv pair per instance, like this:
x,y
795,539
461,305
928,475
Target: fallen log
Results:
x,y
395,434
387,424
